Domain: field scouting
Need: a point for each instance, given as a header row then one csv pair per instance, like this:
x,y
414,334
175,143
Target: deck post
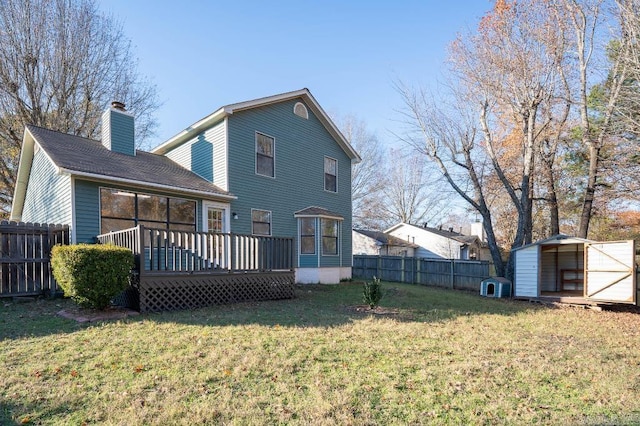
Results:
x,y
140,258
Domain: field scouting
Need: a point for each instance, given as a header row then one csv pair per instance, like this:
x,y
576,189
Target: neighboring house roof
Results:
x,y
456,236
230,109
88,158
314,211
386,239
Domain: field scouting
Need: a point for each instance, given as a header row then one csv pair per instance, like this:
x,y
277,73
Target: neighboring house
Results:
x,y
275,166
441,243
381,244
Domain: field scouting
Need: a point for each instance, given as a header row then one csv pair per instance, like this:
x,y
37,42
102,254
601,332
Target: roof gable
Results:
x,y
89,158
230,109
315,211
452,235
385,238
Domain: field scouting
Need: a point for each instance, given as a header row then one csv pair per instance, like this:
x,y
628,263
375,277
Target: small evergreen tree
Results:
x,y
372,292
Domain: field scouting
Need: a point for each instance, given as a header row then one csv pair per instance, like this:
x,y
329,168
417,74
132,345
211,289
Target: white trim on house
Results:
x,y
225,207
29,147
227,110
300,109
138,184
73,210
324,275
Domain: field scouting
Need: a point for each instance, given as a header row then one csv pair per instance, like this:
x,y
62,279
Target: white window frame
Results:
x,y
315,235
270,222
337,237
255,154
324,179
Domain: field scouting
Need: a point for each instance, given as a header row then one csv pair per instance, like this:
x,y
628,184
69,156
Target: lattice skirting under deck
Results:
x,y
162,292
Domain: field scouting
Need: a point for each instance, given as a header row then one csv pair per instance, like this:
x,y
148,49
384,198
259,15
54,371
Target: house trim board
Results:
x,y
138,184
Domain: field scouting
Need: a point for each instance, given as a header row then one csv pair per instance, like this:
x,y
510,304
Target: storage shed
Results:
x,y
571,266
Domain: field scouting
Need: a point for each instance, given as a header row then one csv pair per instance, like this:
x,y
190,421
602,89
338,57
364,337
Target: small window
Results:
x,y
329,236
261,222
307,235
330,174
300,110
264,155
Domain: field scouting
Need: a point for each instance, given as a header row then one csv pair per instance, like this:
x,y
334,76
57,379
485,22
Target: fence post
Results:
x,y
452,277
378,267
402,269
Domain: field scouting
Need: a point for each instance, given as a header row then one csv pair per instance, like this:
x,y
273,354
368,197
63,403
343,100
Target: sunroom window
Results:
x,y
124,209
307,235
329,236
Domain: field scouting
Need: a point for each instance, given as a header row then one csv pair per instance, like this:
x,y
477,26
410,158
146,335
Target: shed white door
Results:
x,y
610,271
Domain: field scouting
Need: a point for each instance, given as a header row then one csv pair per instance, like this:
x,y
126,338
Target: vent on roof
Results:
x,y
300,110
118,129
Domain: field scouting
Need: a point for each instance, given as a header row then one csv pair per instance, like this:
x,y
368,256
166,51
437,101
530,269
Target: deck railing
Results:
x,y
169,250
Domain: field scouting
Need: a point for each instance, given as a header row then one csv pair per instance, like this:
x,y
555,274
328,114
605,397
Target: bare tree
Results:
x,y
61,63
449,136
411,195
367,177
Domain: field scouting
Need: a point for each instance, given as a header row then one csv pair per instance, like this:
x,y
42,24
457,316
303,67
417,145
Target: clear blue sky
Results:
x,y
206,54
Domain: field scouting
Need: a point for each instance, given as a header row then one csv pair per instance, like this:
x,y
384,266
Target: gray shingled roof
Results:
x,y
318,211
386,239
82,155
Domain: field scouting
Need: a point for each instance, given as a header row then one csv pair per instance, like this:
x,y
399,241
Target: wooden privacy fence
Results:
x,y
25,249
182,270
451,273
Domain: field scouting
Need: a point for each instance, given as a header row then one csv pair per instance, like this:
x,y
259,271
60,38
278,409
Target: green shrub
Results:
x,y
91,274
372,293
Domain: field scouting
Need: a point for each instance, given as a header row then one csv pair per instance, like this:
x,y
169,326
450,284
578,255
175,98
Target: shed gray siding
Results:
x,y
48,196
527,272
300,147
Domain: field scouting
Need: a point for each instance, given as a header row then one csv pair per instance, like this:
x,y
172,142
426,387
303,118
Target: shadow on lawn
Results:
x,y
12,413
313,306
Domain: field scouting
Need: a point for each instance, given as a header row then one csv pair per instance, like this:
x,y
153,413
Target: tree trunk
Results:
x,y
590,190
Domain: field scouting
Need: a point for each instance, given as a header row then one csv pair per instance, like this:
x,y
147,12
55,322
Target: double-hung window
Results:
x,y
265,147
329,236
330,174
261,222
308,235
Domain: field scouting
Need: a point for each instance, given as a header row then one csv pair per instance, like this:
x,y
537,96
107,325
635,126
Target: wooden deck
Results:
x,y
186,270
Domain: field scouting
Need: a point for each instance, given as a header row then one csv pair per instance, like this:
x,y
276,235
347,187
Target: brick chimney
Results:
x,y
118,129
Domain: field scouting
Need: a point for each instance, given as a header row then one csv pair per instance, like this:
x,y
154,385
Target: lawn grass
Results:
x,y
435,357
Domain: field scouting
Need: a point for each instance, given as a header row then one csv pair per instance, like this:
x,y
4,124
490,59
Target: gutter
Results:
x,y
136,183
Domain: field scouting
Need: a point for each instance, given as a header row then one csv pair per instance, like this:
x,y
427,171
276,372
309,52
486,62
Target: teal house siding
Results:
x,y
118,132
205,154
202,158
300,147
87,205
49,197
